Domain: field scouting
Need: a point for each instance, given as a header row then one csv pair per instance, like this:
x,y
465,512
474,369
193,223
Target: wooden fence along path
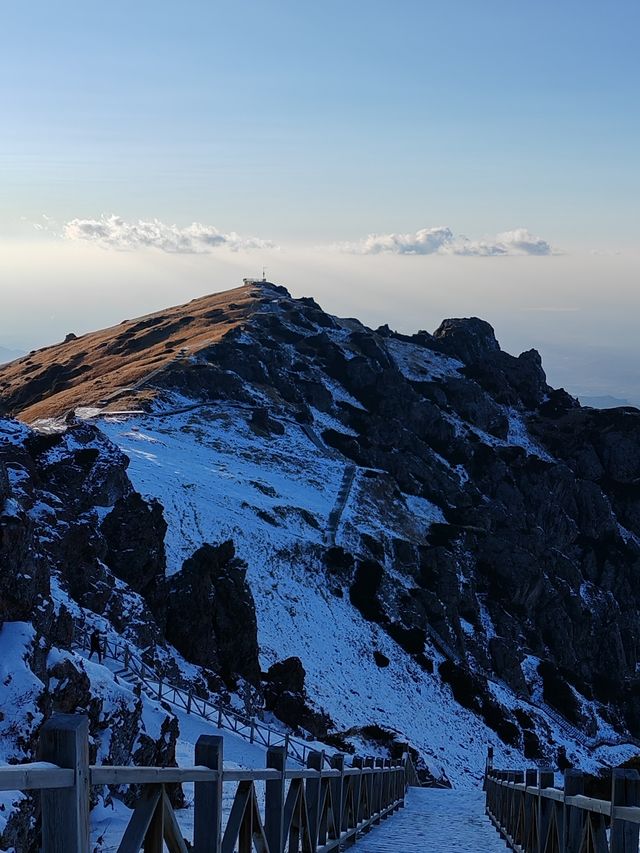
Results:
x,y
533,816
315,810
136,671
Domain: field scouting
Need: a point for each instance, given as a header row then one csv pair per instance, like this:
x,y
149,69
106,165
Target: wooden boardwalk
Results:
x,y
436,821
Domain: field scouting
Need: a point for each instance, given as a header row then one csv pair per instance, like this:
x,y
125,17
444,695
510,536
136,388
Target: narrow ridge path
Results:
x,y
436,821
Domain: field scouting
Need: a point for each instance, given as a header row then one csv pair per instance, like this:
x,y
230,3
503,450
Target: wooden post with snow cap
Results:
x,y
274,800
315,760
378,787
337,791
369,781
207,819
530,802
625,791
358,763
573,817
546,779
64,740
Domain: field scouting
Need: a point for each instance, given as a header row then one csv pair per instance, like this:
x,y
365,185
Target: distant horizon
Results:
x,y
585,369
404,163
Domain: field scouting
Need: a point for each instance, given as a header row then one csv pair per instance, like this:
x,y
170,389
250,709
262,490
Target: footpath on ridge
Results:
x,y
436,821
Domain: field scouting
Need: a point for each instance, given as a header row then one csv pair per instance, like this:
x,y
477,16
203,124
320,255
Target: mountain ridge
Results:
x,y
445,544
82,370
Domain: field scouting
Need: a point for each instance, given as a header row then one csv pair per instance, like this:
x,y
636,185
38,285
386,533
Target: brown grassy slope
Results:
x,y
52,381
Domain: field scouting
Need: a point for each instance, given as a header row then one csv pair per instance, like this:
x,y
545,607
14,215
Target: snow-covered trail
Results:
x,y
436,821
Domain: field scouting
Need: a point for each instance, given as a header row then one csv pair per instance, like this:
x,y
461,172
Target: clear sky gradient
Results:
x,y
310,125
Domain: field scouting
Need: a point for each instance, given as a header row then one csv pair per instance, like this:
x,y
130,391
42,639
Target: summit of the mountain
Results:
x,y
116,363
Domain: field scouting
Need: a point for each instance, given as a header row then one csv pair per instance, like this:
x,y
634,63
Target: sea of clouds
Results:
x,y
114,232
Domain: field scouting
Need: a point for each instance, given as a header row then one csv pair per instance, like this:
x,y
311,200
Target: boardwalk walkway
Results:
x,y
436,821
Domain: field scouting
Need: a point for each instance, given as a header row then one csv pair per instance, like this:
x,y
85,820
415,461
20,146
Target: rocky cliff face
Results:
x,y
537,553
80,547
422,513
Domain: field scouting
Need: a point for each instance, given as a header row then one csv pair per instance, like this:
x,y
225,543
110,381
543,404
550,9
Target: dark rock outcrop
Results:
x,y
286,696
134,531
211,616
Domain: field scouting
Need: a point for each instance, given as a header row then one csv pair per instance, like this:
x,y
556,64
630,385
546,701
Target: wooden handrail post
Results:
x,y
207,818
358,781
531,781
337,791
385,787
315,761
399,780
369,781
625,791
377,787
64,740
546,779
313,788
572,821
487,767
274,800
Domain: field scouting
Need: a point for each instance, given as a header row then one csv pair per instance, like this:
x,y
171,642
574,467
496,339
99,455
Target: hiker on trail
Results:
x,y
95,645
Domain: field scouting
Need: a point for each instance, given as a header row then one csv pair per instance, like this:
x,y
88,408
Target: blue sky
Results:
x,y
310,125
326,120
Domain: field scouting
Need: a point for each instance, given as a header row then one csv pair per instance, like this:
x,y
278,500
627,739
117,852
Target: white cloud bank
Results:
x,y
113,232
442,241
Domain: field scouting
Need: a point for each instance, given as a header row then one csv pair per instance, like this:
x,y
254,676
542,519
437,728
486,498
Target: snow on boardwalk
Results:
x,y
436,821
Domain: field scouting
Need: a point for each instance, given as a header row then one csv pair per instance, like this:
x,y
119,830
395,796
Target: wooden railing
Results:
x,y
221,716
533,816
315,810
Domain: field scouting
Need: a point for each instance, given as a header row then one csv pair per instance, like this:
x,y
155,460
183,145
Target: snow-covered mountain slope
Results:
x,y
377,538
216,479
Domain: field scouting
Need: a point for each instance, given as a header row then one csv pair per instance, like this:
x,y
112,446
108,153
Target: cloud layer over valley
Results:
x,y
113,232
443,241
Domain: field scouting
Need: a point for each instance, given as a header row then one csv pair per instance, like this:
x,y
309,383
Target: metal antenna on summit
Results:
x,y
264,273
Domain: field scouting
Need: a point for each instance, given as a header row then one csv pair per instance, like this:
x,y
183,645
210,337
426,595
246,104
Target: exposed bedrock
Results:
x,y
285,694
211,615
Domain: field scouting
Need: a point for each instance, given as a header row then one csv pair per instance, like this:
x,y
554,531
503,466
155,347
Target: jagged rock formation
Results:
x,y
74,534
211,615
286,696
533,488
